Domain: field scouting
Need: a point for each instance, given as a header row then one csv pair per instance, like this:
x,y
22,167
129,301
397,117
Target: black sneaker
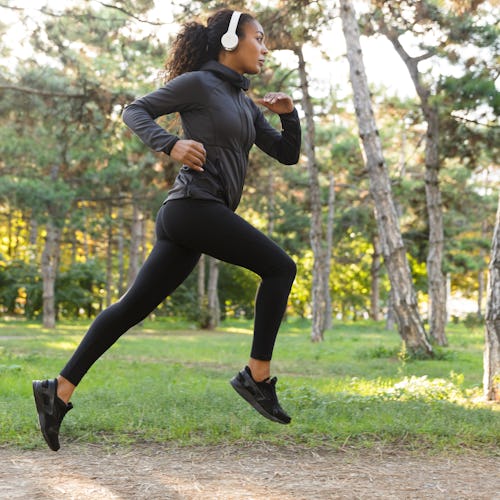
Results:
x,y
51,410
261,395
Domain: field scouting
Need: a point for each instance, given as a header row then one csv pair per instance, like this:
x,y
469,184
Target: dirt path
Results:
x,y
231,472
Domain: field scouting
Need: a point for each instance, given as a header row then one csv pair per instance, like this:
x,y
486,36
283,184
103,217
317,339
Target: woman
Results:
x,y
206,86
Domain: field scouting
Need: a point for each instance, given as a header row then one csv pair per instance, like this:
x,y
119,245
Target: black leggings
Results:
x,y
184,230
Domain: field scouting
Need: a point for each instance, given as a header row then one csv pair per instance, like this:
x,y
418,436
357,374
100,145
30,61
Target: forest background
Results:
x,y
79,193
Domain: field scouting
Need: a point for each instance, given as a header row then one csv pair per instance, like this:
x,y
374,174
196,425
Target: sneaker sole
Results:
x,y
249,398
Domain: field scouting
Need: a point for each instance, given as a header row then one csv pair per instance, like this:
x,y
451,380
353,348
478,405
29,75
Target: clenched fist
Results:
x,y
190,153
277,102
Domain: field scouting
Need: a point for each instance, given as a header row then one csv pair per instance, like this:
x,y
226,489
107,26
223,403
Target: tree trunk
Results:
x,y
375,280
121,252
143,246
9,232
481,276
435,276
33,235
271,201
86,246
201,284
329,249
448,296
405,304
109,260
50,261
212,293
491,375
316,231
135,243
480,290
391,316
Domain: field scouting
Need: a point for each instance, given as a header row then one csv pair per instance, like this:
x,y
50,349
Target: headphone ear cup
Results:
x,y
229,41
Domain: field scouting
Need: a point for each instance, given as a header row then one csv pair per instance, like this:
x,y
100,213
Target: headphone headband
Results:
x,y
230,39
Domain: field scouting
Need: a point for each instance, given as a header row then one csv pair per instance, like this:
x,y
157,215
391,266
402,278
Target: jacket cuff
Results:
x,y
292,114
170,144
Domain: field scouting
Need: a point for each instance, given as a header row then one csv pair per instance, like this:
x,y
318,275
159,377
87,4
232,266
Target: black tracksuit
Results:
x,y
198,215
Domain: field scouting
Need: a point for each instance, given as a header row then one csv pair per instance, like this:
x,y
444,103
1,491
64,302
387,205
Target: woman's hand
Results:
x,y
277,102
190,153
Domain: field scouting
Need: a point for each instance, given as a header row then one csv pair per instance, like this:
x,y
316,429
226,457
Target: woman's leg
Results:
x,y
165,269
185,229
217,231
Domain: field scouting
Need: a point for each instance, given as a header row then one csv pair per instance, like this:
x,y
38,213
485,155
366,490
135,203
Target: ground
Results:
x,y
244,472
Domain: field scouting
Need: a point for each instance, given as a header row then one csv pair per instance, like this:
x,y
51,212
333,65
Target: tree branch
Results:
x,y
475,122
129,14
90,95
51,13
423,57
45,93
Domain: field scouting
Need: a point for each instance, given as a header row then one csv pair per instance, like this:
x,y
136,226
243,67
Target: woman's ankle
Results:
x,y
260,370
64,389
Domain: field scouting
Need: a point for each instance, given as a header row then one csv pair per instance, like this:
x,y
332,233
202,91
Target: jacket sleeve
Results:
x,y
179,95
284,145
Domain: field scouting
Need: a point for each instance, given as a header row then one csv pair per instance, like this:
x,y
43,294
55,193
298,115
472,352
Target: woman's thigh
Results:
x,y
213,229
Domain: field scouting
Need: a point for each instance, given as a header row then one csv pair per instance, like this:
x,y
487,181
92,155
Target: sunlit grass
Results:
x,y
162,383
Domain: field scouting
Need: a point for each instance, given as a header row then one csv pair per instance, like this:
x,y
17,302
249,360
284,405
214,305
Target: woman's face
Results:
x,y
251,52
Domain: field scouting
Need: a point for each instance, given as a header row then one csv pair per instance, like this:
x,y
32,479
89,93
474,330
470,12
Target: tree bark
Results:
x,y
491,359
481,276
316,231
109,259
50,262
435,276
135,242
201,284
50,258
329,249
121,252
405,304
375,280
33,234
391,315
271,202
212,293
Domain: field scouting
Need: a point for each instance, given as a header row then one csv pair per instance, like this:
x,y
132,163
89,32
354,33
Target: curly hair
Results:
x,y
196,44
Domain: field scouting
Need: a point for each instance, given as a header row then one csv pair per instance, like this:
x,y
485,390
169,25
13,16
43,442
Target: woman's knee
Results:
x,y
292,268
288,269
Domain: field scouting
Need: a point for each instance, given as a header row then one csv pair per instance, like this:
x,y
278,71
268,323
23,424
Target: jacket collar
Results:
x,y
231,76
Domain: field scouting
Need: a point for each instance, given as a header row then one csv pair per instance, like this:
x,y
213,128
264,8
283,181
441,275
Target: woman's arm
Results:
x,y
284,145
180,94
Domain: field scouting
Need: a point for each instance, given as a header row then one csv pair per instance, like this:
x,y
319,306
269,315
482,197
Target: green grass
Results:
x,y
167,382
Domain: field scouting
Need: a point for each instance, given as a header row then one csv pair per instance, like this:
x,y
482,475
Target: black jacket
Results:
x,y
216,112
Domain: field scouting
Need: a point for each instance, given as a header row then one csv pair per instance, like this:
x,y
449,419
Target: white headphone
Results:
x,y
230,39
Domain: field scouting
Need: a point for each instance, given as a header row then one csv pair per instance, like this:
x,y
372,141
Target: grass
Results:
x,y
168,382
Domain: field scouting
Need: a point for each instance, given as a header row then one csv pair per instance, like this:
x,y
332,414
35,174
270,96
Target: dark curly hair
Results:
x,y
196,44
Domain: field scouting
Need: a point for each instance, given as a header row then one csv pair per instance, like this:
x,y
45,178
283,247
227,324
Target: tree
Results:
x,y
404,299
74,153
60,114
444,32
436,277
320,272
491,377
305,19
208,298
